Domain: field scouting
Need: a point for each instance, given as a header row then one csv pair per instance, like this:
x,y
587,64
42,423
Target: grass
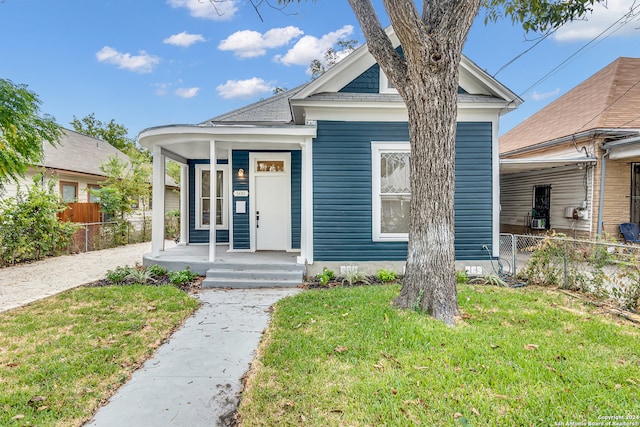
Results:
x,y
525,357
61,357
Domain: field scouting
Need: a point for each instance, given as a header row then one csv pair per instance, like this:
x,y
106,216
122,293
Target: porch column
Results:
x,y
184,204
157,195
212,200
306,220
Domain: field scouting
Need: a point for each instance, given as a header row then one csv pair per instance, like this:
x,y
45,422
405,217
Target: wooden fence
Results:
x,y
81,212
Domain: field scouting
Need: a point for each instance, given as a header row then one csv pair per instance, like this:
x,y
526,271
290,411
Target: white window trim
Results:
x,y
384,84
225,197
376,149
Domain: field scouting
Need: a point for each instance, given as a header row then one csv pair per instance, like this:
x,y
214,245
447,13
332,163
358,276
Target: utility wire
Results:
x,y
627,15
514,59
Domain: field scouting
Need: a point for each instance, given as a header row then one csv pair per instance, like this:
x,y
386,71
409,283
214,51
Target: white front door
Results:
x,y
271,201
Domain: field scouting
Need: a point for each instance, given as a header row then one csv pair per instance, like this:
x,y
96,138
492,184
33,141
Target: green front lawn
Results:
x,y
61,357
525,357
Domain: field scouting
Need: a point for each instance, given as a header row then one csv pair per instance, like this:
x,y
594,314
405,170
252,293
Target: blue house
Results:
x,y
320,172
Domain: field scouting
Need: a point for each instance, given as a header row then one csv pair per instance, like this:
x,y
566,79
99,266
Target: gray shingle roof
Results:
x,y
79,153
276,109
273,109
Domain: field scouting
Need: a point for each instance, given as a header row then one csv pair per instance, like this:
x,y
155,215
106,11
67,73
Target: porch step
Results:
x,y
254,276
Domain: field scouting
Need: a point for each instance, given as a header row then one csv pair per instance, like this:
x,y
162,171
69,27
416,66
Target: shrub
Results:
x,y
386,275
181,277
157,270
140,275
353,276
29,227
120,274
325,276
494,279
461,277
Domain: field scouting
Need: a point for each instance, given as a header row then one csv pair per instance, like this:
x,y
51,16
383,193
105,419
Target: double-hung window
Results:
x,y
391,191
204,199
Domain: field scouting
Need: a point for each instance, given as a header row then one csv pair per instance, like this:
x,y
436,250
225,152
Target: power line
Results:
x,y
632,12
514,59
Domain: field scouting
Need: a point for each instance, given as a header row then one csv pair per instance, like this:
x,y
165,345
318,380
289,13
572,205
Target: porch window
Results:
x,y
391,191
204,200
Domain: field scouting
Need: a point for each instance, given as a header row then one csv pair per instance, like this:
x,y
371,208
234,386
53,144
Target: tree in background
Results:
x,y
426,75
125,187
23,130
331,57
111,132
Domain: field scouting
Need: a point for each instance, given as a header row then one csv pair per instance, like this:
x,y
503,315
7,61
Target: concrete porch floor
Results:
x,y
196,257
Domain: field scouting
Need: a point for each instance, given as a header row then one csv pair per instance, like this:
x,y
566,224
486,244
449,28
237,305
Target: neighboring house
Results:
x,y
574,166
75,164
322,171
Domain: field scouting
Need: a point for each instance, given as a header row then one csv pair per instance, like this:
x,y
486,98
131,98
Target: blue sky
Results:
x,y
146,63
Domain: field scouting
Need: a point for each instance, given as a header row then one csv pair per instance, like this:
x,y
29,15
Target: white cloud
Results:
x,y
249,44
142,63
244,88
183,39
161,88
187,92
309,48
544,95
595,23
208,9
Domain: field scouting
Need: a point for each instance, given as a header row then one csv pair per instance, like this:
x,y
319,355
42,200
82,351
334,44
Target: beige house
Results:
x,y
574,166
75,164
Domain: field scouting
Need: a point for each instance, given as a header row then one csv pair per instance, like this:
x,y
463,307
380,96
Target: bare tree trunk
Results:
x,y
427,80
429,281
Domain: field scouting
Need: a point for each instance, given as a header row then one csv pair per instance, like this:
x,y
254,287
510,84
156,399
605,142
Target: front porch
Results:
x,y
232,269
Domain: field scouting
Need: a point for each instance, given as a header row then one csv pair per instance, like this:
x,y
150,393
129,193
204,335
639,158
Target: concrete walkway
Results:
x,y
193,380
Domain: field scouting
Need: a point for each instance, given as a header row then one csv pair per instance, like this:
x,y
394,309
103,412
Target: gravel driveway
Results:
x,y
26,283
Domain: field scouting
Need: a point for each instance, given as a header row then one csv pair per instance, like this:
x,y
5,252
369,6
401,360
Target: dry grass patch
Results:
x,y
62,357
521,358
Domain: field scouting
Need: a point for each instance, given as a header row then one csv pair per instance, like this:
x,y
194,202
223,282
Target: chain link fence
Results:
x,y
606,269
103,235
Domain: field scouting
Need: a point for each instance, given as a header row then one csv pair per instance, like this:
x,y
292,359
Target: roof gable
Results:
x,y
473,79
610,99
359,74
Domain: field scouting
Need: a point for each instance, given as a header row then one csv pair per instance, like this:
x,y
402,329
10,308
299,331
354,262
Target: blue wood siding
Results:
x,y
241,236
200,236
367,82
342,224
342,191
474,190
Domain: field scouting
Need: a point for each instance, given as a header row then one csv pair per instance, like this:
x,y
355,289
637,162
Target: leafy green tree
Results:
x,y
174,170
111,132
426,76
29,227
125,185
23,130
